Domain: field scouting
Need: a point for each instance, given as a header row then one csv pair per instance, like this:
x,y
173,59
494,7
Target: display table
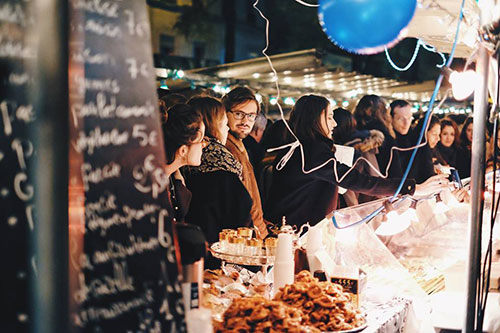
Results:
x,y
387,318
448,311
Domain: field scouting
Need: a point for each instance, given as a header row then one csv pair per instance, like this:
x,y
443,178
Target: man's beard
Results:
x,y
238,135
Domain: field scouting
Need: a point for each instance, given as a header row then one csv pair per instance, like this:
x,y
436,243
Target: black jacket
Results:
x,y
422,167
463,161
219,201
449,154
310,197
219,198
255,151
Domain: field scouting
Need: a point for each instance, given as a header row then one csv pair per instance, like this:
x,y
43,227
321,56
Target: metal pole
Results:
x,y
477,188
50,169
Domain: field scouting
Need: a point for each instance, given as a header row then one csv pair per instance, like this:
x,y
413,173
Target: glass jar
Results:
x,y
245,232
223,241
231,244
239,245
254,247
271,244
230,232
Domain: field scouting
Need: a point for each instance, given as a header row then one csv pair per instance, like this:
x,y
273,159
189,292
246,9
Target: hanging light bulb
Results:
x,y
449,199
395,223
411,213
462,83
441,207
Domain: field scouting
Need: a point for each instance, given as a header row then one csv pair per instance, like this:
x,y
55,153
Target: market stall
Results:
x,y
403,280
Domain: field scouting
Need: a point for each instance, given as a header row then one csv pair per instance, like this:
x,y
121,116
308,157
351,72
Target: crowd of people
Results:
x,y
223,176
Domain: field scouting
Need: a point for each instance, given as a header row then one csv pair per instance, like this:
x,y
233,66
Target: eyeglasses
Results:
x,y
399,118
204,142
239,115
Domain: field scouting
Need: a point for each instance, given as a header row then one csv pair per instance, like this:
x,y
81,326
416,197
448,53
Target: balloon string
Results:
x,y
429,48
307,4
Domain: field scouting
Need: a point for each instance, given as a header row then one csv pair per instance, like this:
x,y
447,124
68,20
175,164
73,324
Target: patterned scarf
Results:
x,y
217,157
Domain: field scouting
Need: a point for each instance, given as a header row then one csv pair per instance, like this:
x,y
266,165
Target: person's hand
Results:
x,y
432,185
461,194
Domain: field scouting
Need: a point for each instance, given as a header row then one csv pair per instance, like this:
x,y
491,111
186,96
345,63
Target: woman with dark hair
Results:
x,y
464,149
219,199
311,195
433,137
184,139
346,133
365,143
371,113
449,142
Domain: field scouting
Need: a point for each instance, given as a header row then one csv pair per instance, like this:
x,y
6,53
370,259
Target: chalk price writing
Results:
x,y
105,109
120,281
104,8
135,68
19,79
145,138
127,215
17,146
115,309
92,175
164,237
97,139
12,14
16,50
29,216
86,56
23,192
90,84
116,250
10,111
135,28
103,29
149,177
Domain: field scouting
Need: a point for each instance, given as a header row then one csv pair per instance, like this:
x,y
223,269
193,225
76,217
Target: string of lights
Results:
x,y
429,48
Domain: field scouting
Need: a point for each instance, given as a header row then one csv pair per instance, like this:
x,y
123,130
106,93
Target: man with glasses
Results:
x,y
402,117
242,108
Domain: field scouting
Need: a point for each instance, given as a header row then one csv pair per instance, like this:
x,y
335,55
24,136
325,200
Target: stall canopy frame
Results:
x,y
302,72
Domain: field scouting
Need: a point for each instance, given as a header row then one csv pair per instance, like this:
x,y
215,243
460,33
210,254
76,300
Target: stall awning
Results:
x,y
308,71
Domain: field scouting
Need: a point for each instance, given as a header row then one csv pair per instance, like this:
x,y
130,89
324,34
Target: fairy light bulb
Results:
x,y
441,207
411,213
463,84
395,223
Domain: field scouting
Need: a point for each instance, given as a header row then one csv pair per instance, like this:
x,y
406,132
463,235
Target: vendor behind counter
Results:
x,y
309,197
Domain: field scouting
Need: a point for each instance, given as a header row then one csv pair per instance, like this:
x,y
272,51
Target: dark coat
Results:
x,y
255,152
180,198
463,161
449,154
422,167
437,158
310,197
219,198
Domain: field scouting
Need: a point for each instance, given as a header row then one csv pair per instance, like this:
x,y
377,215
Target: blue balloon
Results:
x,y
365,26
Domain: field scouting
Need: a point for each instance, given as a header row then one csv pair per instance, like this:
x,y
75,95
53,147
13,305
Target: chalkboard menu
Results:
x,y
128,280
17,115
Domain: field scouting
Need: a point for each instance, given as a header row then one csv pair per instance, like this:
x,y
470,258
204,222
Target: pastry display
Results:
x,y
258,314
324,305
